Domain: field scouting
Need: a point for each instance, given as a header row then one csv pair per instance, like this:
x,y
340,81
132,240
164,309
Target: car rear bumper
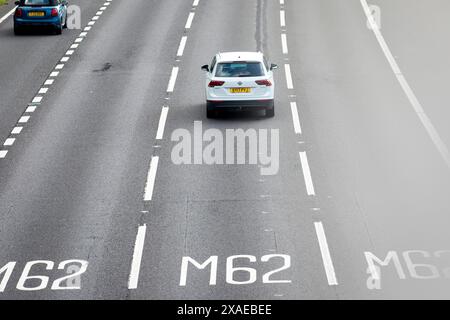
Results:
x,y
53,22
240,105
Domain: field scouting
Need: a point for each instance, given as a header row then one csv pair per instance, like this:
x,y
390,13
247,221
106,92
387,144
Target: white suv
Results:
x,y
239,80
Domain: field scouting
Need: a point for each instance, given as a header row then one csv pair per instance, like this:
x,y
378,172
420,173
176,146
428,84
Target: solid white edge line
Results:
x,y
296,118
287,70
137,257
414,101
189,20
6,16
150,184
162,123
173,79
182,46
326,256
307,174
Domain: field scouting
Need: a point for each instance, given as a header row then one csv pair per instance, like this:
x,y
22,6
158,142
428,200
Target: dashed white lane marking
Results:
x,y
162,123
59,66
284,44
43,90
48,82
54,74
30,109
307,174
287,70
282,2
17,130
148,194
181,46
173,79
137,258
296,118
195,3
189,20
24,119
413,100
9,142
3,154
326,257
37,99
6,16
282,18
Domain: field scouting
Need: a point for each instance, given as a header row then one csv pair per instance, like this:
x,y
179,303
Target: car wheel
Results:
x,y
17,30
210,113
270,113
58,29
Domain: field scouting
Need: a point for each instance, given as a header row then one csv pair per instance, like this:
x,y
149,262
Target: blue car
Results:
x,y
48,13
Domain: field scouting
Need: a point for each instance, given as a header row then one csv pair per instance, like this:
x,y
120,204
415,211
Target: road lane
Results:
x,y
199,211
357,171
382,180
26,61
72,184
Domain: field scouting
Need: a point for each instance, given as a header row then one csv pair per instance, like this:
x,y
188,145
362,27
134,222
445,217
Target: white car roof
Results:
x,y
240,56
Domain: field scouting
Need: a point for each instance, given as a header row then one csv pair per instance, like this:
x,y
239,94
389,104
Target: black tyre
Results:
x,y
17,30
59,29
270,113
210,113
65,23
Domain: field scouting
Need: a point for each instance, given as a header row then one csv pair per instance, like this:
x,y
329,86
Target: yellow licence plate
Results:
x,y
240,90
36,14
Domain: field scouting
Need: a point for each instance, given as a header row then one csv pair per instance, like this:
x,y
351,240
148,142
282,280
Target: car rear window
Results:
x,y
39,2
239,69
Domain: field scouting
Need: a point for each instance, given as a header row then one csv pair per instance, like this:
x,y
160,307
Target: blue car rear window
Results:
x,y
38,2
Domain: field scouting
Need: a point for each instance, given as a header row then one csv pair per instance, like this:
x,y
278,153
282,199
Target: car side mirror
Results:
x,y
273,66
205,68
17,3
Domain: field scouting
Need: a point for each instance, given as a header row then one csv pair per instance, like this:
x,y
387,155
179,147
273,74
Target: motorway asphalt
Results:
x,y
74,183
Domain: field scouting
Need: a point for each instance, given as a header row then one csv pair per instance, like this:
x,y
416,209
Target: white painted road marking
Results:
x,y
295,118
9,142
162,123
195,3
3,153
287,70
17,130
282,18
414,101
284,44
307,174
173,79
148,194
189,20
137,258
6,16
181,47
326,257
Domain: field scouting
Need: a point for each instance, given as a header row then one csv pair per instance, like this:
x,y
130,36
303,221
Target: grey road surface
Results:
x,y
359,180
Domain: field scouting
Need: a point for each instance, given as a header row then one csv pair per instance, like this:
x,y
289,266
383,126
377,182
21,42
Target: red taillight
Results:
x,y
215,83
266,83
18,12
54,12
